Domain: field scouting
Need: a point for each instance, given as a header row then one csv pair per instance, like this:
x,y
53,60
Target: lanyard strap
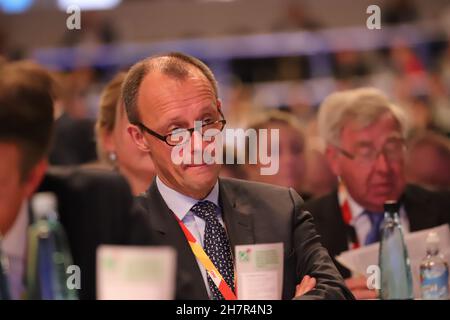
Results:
x,y
210,268
347,216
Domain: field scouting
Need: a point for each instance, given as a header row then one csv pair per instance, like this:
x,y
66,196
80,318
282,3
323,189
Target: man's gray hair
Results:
x,y
363,106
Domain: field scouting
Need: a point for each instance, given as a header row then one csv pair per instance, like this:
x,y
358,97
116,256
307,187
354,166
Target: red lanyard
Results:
x,y
347,214
210,268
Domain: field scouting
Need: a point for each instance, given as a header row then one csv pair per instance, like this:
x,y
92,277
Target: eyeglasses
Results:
x,y
182,136
393,150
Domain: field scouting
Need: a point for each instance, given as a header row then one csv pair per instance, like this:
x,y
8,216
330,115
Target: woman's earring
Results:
x,y
112,157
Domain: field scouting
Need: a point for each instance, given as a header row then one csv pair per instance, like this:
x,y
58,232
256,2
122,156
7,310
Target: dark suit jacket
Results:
x,y
73,141
94,207
424,209
253,213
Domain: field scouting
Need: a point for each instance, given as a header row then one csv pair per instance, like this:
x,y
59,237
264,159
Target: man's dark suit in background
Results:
x,y
73,141
253,213
424,210
94,208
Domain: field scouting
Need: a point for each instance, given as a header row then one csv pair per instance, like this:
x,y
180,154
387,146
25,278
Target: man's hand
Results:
x,y
308,283
358,286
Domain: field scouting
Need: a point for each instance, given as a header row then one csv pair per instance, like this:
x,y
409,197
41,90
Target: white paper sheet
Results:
x,y
259,271
138,273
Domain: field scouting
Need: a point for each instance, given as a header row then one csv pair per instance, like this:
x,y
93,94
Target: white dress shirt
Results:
x,y
361,222
14,251
181,205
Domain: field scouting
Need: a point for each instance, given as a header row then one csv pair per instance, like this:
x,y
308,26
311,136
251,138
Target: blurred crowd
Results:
x,y
90,124
92,128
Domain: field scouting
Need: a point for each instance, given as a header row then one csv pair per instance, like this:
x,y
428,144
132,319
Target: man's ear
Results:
x,y
138,138
219,104
332,156
35,177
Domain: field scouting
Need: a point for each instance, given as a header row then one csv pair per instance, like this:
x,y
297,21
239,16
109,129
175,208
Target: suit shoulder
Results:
x,y
419,193
257,189
322,204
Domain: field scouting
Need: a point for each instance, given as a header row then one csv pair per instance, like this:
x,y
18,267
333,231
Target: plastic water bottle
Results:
x,y
396,278
48,253
434,271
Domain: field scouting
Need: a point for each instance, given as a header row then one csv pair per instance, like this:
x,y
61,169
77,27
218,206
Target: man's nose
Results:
x,y
382,163
196,141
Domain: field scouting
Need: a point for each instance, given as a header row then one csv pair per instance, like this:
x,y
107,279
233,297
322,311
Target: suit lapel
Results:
x,y
190,284
419,210
236,216
338,227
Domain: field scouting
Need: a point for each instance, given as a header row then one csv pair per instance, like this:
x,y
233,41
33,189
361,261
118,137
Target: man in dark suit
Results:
x,y
26,117
93,205
187,205
365,137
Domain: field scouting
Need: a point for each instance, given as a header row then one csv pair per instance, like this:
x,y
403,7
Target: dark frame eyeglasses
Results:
x,y
218,124
392,154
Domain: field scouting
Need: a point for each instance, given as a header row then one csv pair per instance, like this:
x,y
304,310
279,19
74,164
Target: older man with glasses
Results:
x,y
365,135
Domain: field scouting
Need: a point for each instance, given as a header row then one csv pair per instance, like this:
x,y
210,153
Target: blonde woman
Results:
x,y
114,145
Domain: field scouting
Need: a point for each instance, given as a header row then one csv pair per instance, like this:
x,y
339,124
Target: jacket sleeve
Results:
x,y
313,259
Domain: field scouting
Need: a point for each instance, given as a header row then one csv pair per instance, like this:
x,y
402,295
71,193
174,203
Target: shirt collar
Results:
x,y
355,208
14,241
181,204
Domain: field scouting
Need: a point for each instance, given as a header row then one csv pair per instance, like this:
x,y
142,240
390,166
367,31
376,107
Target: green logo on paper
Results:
x,y
244,256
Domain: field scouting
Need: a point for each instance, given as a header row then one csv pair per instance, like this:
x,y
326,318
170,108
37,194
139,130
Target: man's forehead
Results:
x,y
166,94
157,83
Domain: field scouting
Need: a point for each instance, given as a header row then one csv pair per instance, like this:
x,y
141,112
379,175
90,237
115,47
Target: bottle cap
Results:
x,y
391,206
44,205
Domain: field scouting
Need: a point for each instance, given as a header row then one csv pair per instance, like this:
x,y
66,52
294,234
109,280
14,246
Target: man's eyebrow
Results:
x,y
394,136
176,120
209,108
364,143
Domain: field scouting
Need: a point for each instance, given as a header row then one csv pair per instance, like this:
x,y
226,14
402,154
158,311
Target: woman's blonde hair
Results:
x,y
263,119
110,103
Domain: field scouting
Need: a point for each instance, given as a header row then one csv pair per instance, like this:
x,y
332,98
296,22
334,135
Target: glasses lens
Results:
x,y
212,129
394,150
178,137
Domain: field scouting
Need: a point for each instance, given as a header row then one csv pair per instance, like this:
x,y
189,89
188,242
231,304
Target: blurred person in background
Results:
x,y
93,205
26,117
365,135
428,161
319,180
292,145
234,169
73,141
115,147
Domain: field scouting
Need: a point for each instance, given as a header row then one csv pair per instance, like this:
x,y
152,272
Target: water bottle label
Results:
x,y
435,287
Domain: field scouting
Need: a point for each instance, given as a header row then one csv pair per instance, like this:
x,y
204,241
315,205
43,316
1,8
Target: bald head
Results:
x,y
173,65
